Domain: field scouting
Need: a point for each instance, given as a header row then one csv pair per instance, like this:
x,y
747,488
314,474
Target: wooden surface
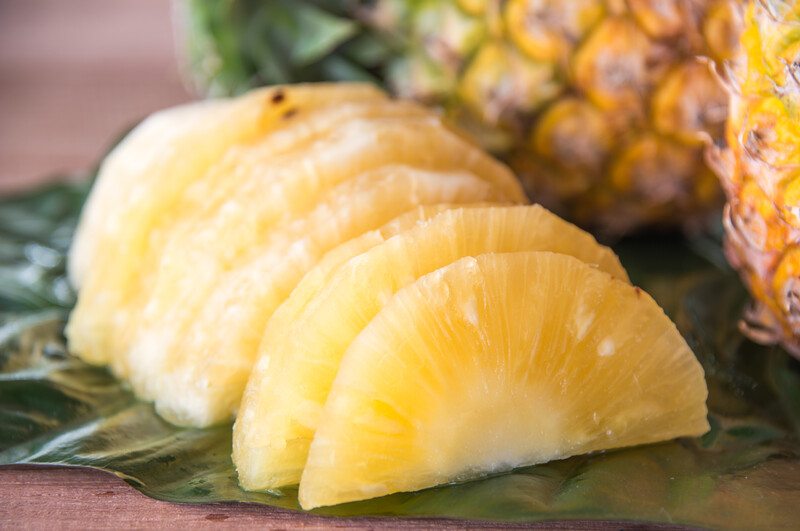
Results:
x,y
73,74
61,498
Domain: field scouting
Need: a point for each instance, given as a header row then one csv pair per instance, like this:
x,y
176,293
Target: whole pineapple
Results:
x,y
601,107
761,170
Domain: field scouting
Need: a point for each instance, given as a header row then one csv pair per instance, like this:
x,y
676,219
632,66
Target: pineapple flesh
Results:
x,y
141,189
273,245
232,210
195,347
346,133
186,246
760,170
320,274
297,364
495,362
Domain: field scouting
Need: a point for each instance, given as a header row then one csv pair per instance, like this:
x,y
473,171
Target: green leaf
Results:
x,y
55,409
314,33
233,45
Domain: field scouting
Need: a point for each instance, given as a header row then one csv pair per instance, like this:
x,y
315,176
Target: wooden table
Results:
x,y
63,498
73,74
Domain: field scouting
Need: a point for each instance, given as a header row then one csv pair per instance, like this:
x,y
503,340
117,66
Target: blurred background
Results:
x,y
73,76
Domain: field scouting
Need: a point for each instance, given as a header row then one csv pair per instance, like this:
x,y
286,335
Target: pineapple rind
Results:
x,y
760,171
635,63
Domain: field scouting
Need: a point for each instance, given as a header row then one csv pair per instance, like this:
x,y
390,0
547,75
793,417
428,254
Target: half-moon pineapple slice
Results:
x,y
144,186
205,319
281,407
148,171
320,274
253,188
496,362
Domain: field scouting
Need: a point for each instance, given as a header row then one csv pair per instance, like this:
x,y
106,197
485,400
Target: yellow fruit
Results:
x,y
171,149
141,192
313,281
500,86
176,288
496,362
547,30
206,315
233,192
285,395
760,174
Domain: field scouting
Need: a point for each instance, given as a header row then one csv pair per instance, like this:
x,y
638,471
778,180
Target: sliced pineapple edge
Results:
x,y
96,326
296,365
495,362
185,372
143,178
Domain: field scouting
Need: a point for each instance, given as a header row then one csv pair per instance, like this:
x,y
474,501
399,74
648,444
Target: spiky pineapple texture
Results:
x,y
601,106
761,170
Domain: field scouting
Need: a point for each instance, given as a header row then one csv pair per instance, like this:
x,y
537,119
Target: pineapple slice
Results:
x,y
142,186
203,324
313,281
317,277
285,395
496,362
252,189
174,147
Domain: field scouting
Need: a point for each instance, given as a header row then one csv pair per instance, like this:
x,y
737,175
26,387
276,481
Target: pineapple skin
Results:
x,y
760,171
602,108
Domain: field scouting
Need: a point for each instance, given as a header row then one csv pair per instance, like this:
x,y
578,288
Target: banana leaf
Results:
x,y
745,473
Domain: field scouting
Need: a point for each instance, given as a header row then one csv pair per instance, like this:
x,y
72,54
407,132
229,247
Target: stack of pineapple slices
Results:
x,y
360,268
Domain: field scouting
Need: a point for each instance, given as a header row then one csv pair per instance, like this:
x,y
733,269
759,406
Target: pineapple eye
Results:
x,y
618,65
661,19
656,170
501,86
690,104
791,300
750,225
545,30
721,29
575,132
278,96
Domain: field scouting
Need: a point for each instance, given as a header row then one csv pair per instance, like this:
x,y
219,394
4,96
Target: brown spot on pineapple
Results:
x,y
278,96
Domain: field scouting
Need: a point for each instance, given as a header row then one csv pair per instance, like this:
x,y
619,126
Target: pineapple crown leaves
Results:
x,y
232,45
